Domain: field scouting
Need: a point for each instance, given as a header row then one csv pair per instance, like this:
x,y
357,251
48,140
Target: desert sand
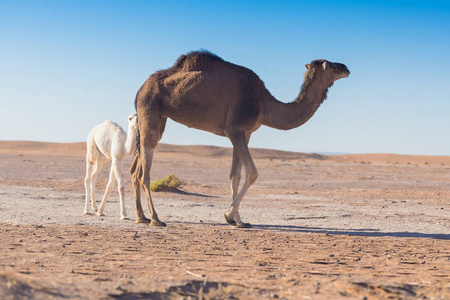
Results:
x,y
372,226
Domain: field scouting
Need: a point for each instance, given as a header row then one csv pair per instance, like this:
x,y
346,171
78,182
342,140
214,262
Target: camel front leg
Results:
x,y
251,173
117,166
235,178
235,174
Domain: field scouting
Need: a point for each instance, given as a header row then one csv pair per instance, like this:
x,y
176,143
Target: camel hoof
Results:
x,y
156,222
100,214
244,225
87,212
142,220
232,222
124,218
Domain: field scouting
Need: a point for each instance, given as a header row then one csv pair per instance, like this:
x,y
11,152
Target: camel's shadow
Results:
x,y
334,231
185,193
350,232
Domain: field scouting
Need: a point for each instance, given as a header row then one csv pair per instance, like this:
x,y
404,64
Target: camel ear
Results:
x,y
308,66
325,65
131,116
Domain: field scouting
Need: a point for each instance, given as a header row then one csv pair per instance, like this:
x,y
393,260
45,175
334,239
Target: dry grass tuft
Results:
x,y
169,183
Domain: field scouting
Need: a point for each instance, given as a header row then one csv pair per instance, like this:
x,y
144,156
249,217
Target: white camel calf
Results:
x,y
108,141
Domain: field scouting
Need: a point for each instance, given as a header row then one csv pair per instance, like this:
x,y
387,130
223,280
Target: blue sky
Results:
x,y
66,66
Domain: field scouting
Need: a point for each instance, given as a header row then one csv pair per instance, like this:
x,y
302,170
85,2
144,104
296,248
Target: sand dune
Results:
x,y
75,149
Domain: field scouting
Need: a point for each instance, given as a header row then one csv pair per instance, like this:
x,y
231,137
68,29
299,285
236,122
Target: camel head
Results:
x,y
133,121
326,70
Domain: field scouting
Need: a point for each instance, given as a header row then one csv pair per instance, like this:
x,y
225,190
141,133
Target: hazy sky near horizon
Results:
x,y
66,66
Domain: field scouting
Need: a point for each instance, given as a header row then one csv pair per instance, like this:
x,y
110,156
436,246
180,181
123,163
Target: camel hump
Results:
x,y
197,61
112,125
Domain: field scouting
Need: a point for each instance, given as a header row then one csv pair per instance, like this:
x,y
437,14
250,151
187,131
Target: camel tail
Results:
x,y
138,136
138,144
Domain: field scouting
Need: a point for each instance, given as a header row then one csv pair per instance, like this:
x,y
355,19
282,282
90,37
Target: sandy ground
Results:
x,y
324,227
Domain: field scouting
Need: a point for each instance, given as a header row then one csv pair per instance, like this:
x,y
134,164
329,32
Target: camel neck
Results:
x,y
287,116
130,144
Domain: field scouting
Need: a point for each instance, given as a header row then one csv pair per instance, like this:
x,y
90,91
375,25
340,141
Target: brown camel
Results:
x,y
205,92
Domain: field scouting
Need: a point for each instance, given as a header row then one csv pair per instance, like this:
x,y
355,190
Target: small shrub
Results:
x,y
171,182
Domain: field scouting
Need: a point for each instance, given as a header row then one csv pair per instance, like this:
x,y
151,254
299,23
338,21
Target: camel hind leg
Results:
x,y
109,187
87,184
94,164
147,157
136,174
151,129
